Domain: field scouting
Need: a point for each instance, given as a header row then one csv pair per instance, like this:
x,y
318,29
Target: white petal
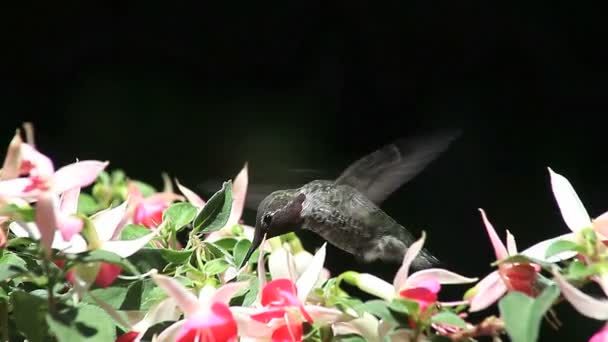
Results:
x,y
184,298
277,264
365,326
171,332
489,290
375,286
573,211
107,220
441,275
582,302
511,245
539,250
126,248
309,278
409,256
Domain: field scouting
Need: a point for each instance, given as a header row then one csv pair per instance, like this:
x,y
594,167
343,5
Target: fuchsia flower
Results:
x,y
509,277
282,304
421,286
207,318
44,185
149,211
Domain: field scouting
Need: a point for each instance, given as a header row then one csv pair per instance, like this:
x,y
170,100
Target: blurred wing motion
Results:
x,y
383,171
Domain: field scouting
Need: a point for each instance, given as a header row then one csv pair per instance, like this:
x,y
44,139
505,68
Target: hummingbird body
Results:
x,y
347,219
346,211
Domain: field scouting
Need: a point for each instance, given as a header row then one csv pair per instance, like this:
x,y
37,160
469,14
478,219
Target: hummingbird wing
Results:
x,y
380,173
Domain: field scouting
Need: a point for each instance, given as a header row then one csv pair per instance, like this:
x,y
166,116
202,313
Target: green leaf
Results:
x,y
22,213
145,188
11,265
227,243
179,214
87,322
29,312
215,266
87,204
133,231
175,257
100,255
348,338
577,270
240,249
522,314
450,318
400,307
147,258
378,308
216,212
114,296
560,246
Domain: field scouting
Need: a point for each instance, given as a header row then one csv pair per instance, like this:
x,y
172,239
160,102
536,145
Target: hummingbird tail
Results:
x,y
424,260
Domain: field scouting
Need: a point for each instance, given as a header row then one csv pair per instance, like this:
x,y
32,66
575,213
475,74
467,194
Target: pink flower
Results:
x,y
43,185
149,211
509,277
207,318
601,335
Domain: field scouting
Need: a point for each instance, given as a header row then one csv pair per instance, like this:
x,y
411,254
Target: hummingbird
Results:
x,y
345,211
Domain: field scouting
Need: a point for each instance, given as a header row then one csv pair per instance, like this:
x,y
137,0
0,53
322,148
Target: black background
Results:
x,y
198,90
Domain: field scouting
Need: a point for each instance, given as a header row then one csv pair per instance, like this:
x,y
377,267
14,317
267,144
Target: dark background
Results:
x,y
196,91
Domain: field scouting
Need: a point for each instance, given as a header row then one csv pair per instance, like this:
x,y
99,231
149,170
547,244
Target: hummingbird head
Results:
x,y
278,213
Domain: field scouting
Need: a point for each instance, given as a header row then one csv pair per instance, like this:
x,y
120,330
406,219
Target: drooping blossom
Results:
x,y
164,310
283,304
43,185
508,277
207,318
148,211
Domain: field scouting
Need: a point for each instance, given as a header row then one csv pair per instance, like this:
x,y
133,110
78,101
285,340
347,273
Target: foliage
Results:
x,y
106,264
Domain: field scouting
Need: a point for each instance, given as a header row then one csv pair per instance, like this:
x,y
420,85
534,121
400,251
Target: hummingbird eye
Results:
x,y
266,219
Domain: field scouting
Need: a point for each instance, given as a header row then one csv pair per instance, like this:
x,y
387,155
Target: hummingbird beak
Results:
x,y
257,240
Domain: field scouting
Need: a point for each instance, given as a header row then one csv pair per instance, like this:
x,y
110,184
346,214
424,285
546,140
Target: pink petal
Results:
x,y
69,226
130,336
69,201
489,290
323,315
288,333
190,195
214,325
17,187
171,332
409,256
424,296
149,214
248,327
106,221
269,314
107,274
441,275
39,164
499,248
582,302
126,248
12,162
225,293
306,282
46,220
572,209
239,192
274,293
600,224
185,299
77,175
601,335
